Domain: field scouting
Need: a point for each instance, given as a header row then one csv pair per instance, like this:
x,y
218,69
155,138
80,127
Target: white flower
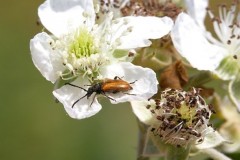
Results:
x,y
179,118
86,53
197,10
204,52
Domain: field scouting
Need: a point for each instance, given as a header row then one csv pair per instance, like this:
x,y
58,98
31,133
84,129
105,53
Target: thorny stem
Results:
x,y
215,154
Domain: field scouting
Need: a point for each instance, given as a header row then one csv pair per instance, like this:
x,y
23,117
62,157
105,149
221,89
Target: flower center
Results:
x,y
82,54
83,44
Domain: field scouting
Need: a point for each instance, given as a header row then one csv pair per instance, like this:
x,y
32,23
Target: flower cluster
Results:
x,y
123,49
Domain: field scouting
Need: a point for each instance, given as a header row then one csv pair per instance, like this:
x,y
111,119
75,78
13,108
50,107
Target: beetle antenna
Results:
x,y
76,86
78,100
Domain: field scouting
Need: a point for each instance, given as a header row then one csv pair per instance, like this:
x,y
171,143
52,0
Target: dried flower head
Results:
x,y
182,117
140,8
151,8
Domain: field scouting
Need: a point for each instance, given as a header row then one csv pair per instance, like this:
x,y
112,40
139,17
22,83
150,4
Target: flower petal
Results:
x,y
60,16
135,32
191,43
144,81
43,58
234,91
144,114
197,10
84,108
211,140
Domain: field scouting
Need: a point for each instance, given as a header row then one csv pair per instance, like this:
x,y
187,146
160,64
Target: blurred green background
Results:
x,y
33,126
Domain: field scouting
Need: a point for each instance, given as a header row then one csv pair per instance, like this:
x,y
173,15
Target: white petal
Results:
x,y
211,139
67,95
190,42
144,114
197,10
142,29
144,87
61,16
43,57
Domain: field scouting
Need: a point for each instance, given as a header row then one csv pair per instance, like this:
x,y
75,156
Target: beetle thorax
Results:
x,y
95,88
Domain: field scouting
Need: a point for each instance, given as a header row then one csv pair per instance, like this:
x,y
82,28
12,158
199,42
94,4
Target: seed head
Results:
x,y
182,117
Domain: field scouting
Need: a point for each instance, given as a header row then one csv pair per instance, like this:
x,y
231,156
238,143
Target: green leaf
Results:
x,y
234,91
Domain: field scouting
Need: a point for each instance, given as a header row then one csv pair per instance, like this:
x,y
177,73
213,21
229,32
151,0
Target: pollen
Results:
x,y
82,54
83,44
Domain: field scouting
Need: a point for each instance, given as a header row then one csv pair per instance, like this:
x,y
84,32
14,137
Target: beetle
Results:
x,y
106,86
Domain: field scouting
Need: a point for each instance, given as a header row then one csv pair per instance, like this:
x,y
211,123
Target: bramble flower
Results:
x,y
83,53
144,86
179,118
204,52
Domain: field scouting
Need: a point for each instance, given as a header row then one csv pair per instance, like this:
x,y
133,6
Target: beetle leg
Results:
x,y
129,94
108,96
133,82
75,86
93,99
116,77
